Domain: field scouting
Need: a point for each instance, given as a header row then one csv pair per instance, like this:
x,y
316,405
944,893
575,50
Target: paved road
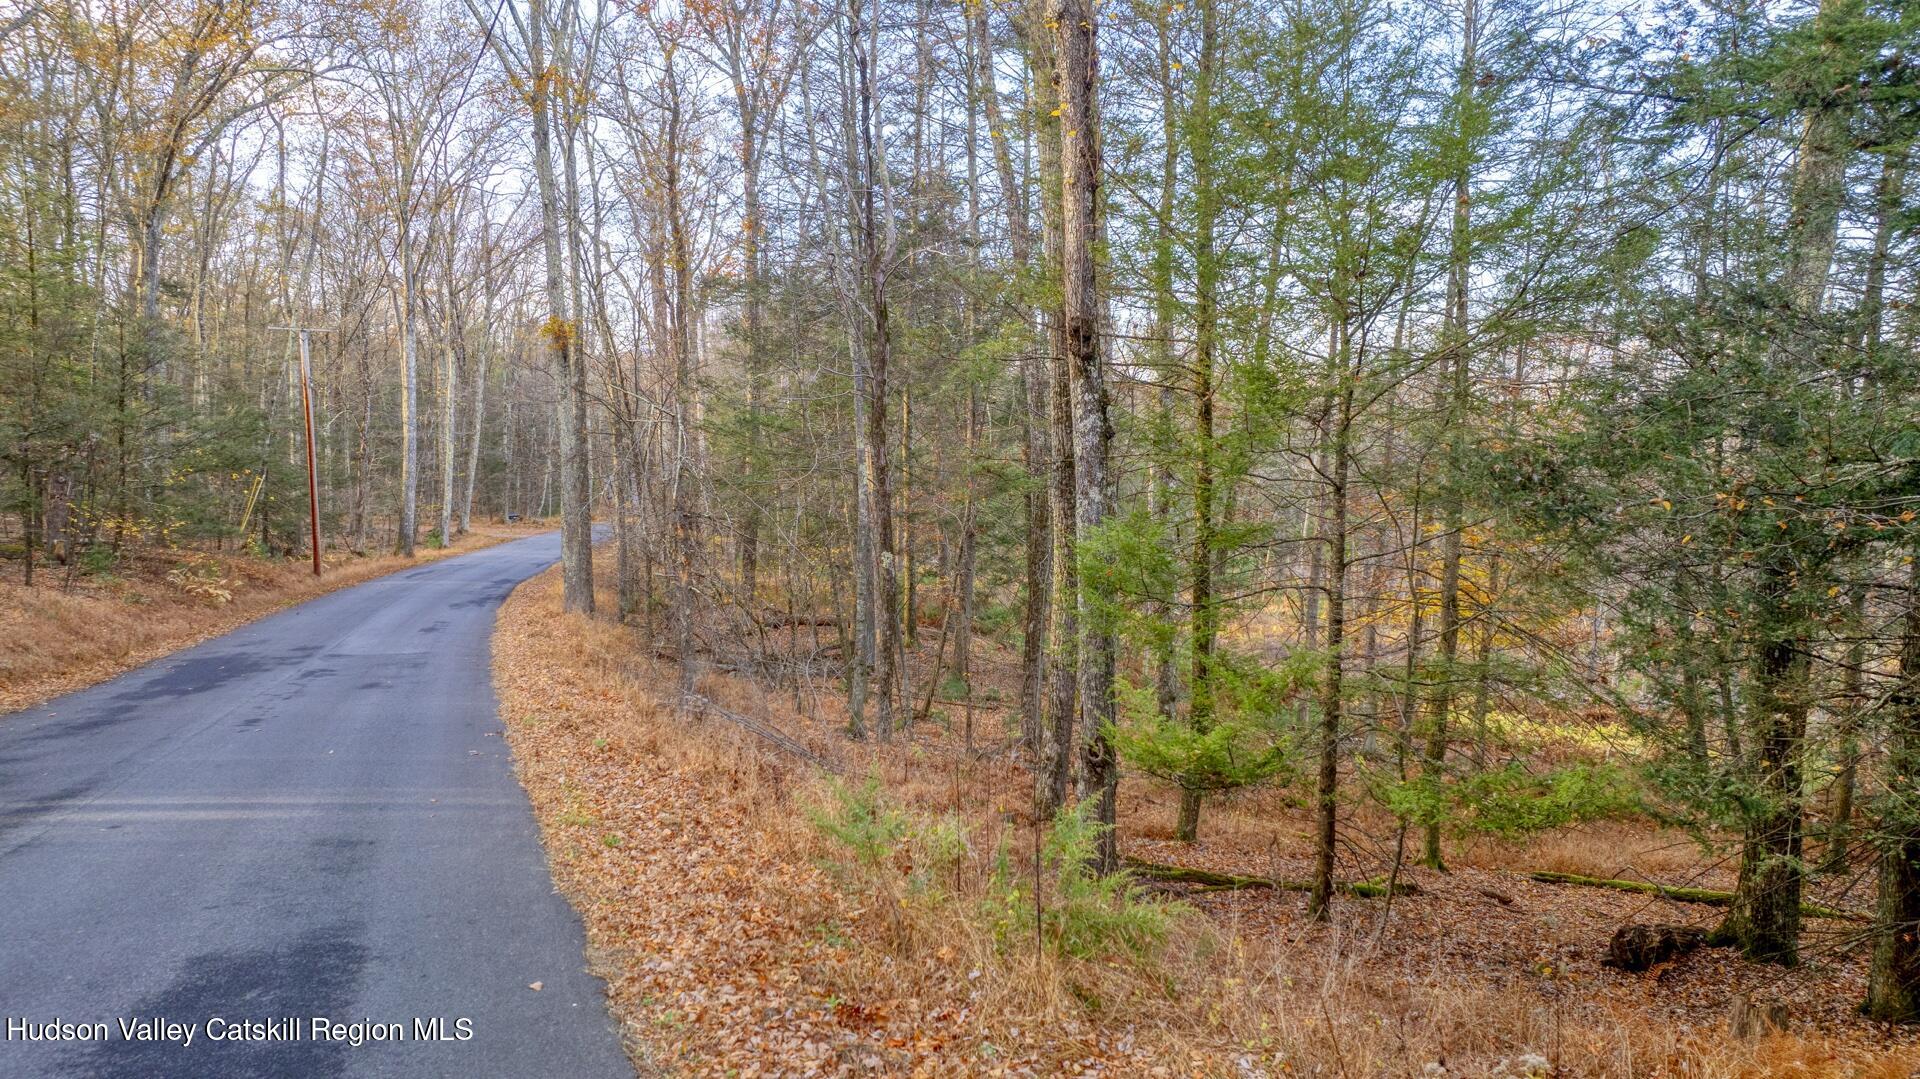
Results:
x,y
311,817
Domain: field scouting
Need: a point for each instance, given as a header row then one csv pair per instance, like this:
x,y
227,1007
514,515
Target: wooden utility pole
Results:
x,y
306,409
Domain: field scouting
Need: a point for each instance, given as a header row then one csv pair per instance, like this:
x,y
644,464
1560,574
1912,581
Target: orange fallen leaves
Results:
x,y
729,950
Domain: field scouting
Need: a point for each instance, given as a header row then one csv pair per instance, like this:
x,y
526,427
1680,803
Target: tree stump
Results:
x,y
1748,1020
1640,947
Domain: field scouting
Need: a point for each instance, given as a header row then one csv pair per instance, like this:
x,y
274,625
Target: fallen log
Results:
x,y
1643,947
1210,881
771,734
780,620
1708,896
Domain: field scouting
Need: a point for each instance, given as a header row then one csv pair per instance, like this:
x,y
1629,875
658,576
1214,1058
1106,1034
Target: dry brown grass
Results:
x,y
737,939
67,633
1605,849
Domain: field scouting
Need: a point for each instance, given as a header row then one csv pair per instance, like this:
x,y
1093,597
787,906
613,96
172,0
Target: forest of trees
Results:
x,y
1313,393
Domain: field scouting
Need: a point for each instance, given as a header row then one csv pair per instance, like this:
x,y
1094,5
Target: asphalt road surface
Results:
x,y
310,821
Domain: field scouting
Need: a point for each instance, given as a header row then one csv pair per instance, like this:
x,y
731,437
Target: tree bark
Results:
x,y
1079,76
1035,447
875,255
1893,979
1200,562
449,399
1332,689
1764,919
680,330
1055,761
576,509
1459,273
409,399
473,445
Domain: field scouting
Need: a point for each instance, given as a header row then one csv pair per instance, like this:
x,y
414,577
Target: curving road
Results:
x,y
311,818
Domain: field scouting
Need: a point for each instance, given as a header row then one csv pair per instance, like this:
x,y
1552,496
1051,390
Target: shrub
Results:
x,y
859,818
1241,746
996,619
1232,753
1088,915
925,849
202,579
1511,801
98,560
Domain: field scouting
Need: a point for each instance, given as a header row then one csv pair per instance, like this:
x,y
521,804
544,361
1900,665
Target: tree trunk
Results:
x,y
909,582
1034,449
449,398
969,544
1079,75
1889,195
473,445
1332,701
752,326
1893,980
1161,494
409,401
1055,763
1764,919
969,525
576,510
679,253
363,456
1200,562
875,256
1459,273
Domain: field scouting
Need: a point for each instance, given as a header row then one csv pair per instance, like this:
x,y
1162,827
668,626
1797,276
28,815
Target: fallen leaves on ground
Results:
x,y
731,947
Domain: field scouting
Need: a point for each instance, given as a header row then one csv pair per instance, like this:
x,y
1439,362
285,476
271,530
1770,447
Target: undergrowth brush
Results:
x,y
930,928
